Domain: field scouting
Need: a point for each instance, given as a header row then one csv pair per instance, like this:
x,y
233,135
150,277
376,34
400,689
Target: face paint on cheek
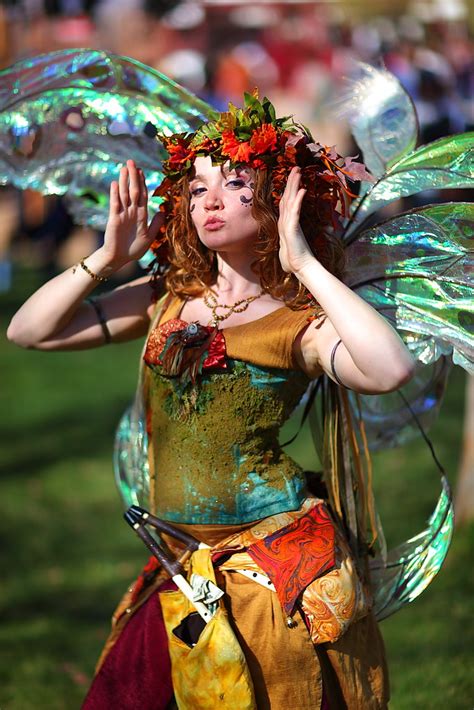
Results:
x,y
247,201
192,208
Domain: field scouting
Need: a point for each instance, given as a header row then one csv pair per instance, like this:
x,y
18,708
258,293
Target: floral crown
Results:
x,y
253,137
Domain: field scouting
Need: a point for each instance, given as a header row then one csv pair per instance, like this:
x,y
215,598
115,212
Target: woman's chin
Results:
x,y
218,241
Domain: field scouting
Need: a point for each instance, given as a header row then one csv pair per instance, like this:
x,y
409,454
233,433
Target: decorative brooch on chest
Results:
x,y
184,350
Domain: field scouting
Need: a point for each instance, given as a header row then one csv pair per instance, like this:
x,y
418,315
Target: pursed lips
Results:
x,y
213,223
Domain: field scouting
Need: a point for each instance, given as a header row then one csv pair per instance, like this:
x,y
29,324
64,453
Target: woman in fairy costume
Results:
x,y
250,308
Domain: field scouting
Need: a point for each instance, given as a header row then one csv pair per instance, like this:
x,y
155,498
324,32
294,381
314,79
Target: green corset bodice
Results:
x,y
216,454
216,402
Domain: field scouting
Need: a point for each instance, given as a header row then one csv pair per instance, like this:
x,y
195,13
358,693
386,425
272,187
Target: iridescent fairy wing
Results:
x,y
384,124
70,119
401,574
130,460
447,163
410,567
381,116
131,467
389,422
417,270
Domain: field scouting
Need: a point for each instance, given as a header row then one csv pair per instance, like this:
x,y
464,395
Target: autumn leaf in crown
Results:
x,y
228,120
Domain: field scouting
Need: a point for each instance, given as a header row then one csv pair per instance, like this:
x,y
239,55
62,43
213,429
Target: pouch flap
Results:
x,y
298,553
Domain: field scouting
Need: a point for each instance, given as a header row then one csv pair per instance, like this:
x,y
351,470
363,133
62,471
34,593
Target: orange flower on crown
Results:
x,y
179,152
263,139
238,151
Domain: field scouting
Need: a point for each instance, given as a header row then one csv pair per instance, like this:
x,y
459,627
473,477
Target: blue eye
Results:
x,y
197,191
236,183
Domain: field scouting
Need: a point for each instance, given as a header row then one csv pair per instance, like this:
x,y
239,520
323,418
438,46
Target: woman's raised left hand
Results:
x,y
128,234
294,252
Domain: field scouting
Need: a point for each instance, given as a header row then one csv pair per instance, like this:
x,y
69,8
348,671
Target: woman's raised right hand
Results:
x,y
127,235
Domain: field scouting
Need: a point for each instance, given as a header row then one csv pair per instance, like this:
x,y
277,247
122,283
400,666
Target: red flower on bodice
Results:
x,y
184,350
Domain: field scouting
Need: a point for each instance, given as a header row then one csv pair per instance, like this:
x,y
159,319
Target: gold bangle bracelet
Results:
x,y
90,273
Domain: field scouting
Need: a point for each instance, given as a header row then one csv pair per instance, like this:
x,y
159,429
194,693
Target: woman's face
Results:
x,y
221,206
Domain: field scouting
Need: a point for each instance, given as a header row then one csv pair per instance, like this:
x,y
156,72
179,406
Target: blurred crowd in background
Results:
x,y
299,54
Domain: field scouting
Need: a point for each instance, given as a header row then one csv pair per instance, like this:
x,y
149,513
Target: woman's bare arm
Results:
x,y
126,310
56,317
372,357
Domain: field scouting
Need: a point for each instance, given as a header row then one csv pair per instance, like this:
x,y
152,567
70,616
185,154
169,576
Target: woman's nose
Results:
x,y
213,201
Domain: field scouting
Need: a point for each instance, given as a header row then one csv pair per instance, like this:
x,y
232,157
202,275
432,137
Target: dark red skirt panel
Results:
x,y
137,671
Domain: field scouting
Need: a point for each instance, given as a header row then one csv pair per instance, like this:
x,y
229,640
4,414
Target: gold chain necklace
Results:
x,y
210,300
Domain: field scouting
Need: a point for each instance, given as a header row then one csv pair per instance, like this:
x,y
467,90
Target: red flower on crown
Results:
x,y
238,151
263,139
179,152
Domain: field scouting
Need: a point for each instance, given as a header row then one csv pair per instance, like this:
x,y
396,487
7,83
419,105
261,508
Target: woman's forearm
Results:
x,y
374,346
49,310
58,303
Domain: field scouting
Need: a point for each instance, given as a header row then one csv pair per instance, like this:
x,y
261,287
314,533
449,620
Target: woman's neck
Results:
x,y
235,277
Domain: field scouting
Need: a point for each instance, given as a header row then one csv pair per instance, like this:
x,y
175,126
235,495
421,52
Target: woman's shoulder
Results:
x,y
269,340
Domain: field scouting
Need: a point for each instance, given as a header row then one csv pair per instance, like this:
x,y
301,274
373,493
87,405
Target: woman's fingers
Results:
x,y
293,182
130,185
291,190
294,185
299,199
114,205
134,183
143,199
123,188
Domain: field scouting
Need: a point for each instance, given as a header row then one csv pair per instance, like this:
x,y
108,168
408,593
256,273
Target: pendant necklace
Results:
x,y
210,300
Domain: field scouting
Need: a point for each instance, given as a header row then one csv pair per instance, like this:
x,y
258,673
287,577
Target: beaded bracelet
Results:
x,y
101,318
90,273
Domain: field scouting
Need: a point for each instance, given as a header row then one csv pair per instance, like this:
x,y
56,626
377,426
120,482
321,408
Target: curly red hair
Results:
x,y
193,267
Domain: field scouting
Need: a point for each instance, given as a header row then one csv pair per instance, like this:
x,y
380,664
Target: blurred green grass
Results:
x,y
66,555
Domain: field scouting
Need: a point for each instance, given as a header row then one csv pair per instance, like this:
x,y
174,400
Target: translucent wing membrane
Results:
x,y
444,164
132,474
70,119
387,420
382,117
410,567
416,269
